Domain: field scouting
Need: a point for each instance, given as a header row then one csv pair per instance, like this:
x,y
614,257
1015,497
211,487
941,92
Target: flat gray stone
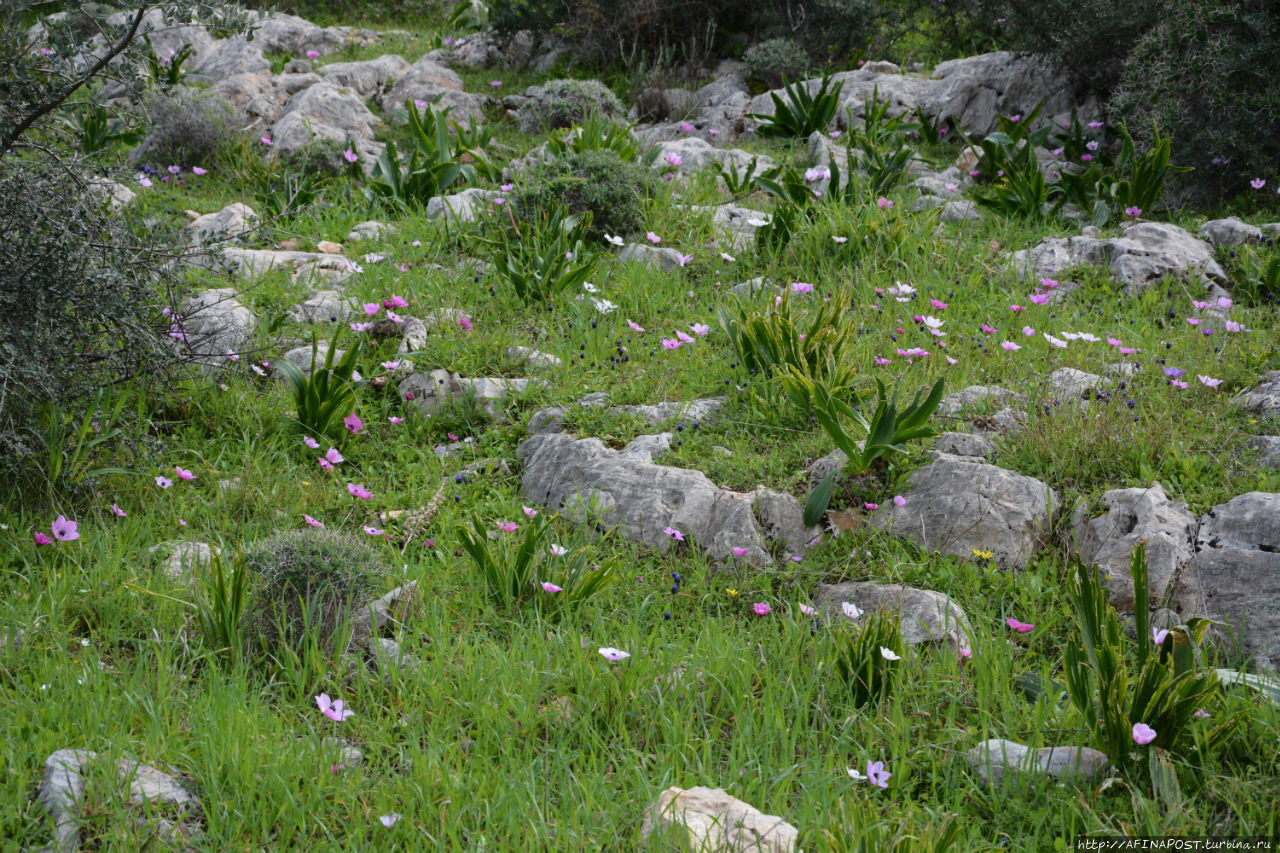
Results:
x,y
323,306
1229,232
1133,516
997,761
966,444
924,616
958,504
1263,398
643,499
1268,448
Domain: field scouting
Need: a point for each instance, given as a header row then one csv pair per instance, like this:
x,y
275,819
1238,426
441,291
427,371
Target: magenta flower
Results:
x,y
357,490
334,456
1009,346
761,609
806,610
673,158
700,328
801,287
164,482
685,127
1133,212
988,330
684,339
118,511
196,170
372,308
65,530
333,709
42,539
1027,331
1201,713
548,586
871,506
184,473
899,500
349,155
674,534
1016,308
313,54
670,343
529,511
1143,734
396,420
1257,183
507,526
309,520
613,655
634,326
495,83
653,238
1039,298
1020,627
266,140
739,552
311,442
1209,380
937,303
353,422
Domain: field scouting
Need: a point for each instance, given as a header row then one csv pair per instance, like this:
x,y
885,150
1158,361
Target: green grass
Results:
x,y
465,748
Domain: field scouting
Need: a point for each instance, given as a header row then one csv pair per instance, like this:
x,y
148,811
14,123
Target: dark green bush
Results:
x,y
1208,74
186,130
565,103
311,582
776,61
601,182
79,300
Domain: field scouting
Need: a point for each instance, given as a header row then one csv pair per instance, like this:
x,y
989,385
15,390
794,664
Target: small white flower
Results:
x,y
889,654
589,287
850,609
615,240
855,775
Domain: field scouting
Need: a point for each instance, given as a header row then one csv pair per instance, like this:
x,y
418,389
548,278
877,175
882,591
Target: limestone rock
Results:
x,y
323,306
232,56
1146,253
1249,522
708,820
1134,515
960,504
925,616
1268,448
698,409
464,206
651,256
1263,398
532,356
112,193
643,499
369,230
366,78
184,560
213,322
1229,232
234,220
996,761
973,396
427,80
325,111
966,444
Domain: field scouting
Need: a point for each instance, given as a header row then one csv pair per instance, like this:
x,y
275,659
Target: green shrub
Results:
x,y
79,306
1208,74
186,130
564,103
310,583
613,190
776,61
